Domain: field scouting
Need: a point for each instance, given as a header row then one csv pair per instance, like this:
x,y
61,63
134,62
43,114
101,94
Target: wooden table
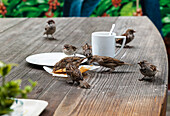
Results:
x,y
119,93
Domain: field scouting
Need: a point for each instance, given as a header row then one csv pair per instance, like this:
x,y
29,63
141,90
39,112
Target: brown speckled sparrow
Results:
x,y
129,37
63,62
76,76
50,28
107,62
69,49
87,50
148,70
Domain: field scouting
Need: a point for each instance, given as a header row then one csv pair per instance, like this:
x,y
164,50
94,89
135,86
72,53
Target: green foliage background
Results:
x,y
37,8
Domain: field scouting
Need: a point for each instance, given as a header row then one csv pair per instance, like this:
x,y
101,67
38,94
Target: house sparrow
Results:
x,y
129,37
50,28
87,50
75,75
63,62
69,49
148,70
107,62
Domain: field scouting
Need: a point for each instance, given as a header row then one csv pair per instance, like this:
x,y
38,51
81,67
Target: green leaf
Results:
x,y
27,9
43,7
2,64
103,7
28,88
164,11
32,83
128,9
126,1
166,19
164,2
12,5
5,68
166,29
113,11
30,2
34,14
5,2
41,1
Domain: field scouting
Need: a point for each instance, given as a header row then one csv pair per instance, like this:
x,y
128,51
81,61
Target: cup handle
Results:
x,y
123,44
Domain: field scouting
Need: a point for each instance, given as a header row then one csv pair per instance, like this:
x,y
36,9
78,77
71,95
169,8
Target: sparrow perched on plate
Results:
x,y
76,76
87,50
50,28
63,62
69,49
107,62
129,37
148,70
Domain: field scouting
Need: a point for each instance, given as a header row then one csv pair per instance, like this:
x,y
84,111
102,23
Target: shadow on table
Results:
x,y
50,38
38,67
156,81
114,72
127,46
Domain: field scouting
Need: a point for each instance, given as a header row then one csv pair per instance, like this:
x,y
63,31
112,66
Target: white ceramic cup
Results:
x,y
104,44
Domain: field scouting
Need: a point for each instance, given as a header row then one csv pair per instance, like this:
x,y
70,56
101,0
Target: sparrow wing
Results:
x,y
124,34
120,40
153,67
74,48
46,27
77,74
71,59
77,59
112,60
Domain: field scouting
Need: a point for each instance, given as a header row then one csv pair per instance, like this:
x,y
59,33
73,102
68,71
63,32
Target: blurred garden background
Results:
x,y
54,8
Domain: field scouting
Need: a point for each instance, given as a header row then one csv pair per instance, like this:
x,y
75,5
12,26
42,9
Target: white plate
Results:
x,y
50,70
30,107
47,59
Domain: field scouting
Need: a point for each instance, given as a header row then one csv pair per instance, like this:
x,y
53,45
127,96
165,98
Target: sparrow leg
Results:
x,y
111,70
142,79
152,79
127,46
78,82
52,36
69,80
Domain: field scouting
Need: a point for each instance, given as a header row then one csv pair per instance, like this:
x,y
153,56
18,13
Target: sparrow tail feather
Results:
x,y
128,64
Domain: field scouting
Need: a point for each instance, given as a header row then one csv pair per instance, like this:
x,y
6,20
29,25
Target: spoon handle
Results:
x,y
111,30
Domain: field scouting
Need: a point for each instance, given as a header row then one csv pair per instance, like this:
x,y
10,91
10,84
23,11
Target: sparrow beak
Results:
x,y
134,31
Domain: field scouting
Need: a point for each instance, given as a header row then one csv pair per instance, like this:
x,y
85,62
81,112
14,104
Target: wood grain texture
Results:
x,y
7,23
112,94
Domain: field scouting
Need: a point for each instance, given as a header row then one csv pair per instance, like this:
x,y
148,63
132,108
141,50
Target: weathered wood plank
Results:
x,y
6,23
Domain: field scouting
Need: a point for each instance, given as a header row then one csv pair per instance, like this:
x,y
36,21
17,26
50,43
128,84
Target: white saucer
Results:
x,y
47,59
30,107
